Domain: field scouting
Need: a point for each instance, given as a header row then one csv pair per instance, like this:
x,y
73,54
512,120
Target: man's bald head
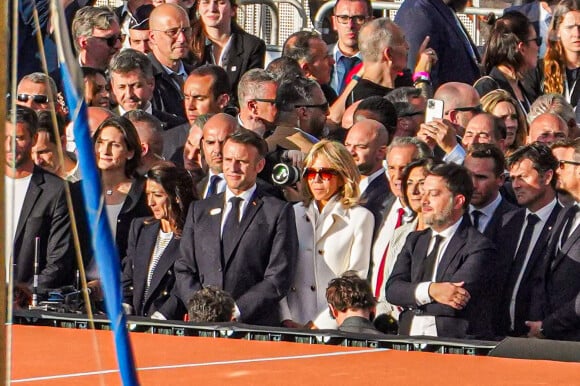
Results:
x,y
547,128
460,101
348,116
367,143
215,132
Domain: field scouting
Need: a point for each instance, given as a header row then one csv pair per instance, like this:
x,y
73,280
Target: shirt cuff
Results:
x,y
422,293
457,155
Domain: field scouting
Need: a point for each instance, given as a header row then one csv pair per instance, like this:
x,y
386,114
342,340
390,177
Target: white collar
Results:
x,y
245,195
489,208
447,233
544,213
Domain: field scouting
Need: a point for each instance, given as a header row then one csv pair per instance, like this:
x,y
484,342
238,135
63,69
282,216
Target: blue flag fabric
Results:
x,y
104,249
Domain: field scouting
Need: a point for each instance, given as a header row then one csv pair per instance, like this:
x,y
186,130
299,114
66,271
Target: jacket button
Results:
x,y
118,221
313,287
220,269
321,251
293,289
164,293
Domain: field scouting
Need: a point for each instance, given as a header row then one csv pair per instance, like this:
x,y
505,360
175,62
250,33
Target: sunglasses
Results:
x,y
271,101
563,163
174,32
35,98
475,109
322,106
111,40
345,19
324,173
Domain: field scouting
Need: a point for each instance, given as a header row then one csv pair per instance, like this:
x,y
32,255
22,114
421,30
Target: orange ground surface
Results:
x,y
59,356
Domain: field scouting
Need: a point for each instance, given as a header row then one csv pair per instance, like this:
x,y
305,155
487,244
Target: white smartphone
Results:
x,y
434,110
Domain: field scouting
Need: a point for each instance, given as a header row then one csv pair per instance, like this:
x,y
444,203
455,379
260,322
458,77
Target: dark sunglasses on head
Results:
x,y
35,98
322,106
271,101
475,109
111,40
324,173
562,163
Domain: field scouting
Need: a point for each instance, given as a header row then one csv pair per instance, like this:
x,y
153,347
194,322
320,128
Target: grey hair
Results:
x,y
41,77
88,18
374,37
402,94
250,85
297,46
552,103
128,60
423,150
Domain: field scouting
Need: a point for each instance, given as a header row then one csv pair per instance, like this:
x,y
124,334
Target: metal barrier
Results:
x,y
390,9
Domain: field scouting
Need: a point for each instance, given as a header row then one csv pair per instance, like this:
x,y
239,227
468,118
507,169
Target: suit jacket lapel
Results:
x,y
142,258
455,244
419,256
542,242
32,194
561,253
250,212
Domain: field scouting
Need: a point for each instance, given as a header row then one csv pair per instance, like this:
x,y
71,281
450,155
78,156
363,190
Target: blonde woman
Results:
x,y
335,234
502,104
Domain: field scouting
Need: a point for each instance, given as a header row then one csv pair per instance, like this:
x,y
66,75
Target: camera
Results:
x,y
285,174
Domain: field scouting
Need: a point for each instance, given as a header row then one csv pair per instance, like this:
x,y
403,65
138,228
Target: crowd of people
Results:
x,y
313,193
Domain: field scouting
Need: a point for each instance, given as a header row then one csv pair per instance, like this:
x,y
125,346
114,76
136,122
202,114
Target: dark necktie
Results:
x,y
432,259
520,258
476,214
178,80
400,213
570,216
213,183
231,226
348,64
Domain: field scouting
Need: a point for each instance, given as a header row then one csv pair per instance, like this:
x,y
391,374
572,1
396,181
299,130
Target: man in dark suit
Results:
x,y
169,37
367,142
444,274
533,175
241,241
133,84
555,303
38,210
458,59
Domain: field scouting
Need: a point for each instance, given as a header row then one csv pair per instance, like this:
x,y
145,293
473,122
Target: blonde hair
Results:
x,y
340,160
490,100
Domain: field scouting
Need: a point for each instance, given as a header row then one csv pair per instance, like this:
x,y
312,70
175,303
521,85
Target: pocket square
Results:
x,y
215,211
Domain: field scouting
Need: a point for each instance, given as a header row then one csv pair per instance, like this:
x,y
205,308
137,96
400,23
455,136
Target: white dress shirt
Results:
x,y
245,196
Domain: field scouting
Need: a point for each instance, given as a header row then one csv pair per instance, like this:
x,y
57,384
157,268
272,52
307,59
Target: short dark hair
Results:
x,y
297,45
221,82
45,125
284,68
128,60
130,136
26,115
457,179
383,111
350,292
367,2
543,160
91,72
248,137
210,304
294,91
144,116
488,150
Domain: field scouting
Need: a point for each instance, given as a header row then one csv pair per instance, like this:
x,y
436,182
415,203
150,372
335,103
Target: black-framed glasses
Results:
x,y
473,109
271,101
563,163
174,32
110,40
322,106
324,173
537,39
35,98
345,19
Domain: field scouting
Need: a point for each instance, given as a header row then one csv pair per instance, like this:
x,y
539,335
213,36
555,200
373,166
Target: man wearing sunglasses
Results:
x,y
33,91
97,36
257,99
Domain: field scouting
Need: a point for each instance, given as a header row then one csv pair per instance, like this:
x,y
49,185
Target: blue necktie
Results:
x,y
213,184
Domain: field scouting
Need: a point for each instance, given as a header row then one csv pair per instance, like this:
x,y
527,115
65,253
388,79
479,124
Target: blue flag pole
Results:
x,y
104,249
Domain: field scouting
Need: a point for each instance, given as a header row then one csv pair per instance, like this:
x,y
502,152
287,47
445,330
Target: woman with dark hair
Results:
x,y
562,60
335,234
512,51
218,39
118,154
154,244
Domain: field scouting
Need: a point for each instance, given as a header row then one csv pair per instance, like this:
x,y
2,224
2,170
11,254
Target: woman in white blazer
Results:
x,y
335,234
412,187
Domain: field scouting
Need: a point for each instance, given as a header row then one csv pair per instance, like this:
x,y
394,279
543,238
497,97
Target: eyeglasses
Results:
x,y
174,32
562,163
345,19
475,109
324,173
322,106
35,98
537,39
271,101
110,40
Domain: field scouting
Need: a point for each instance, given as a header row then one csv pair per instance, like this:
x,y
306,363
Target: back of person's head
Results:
x,y
350,292
211,304
45,124
555,104
129,60
374,37
88,18
403,94
502,47
541,156
297,45
294,91
488,150
379,109
457,179
284,68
